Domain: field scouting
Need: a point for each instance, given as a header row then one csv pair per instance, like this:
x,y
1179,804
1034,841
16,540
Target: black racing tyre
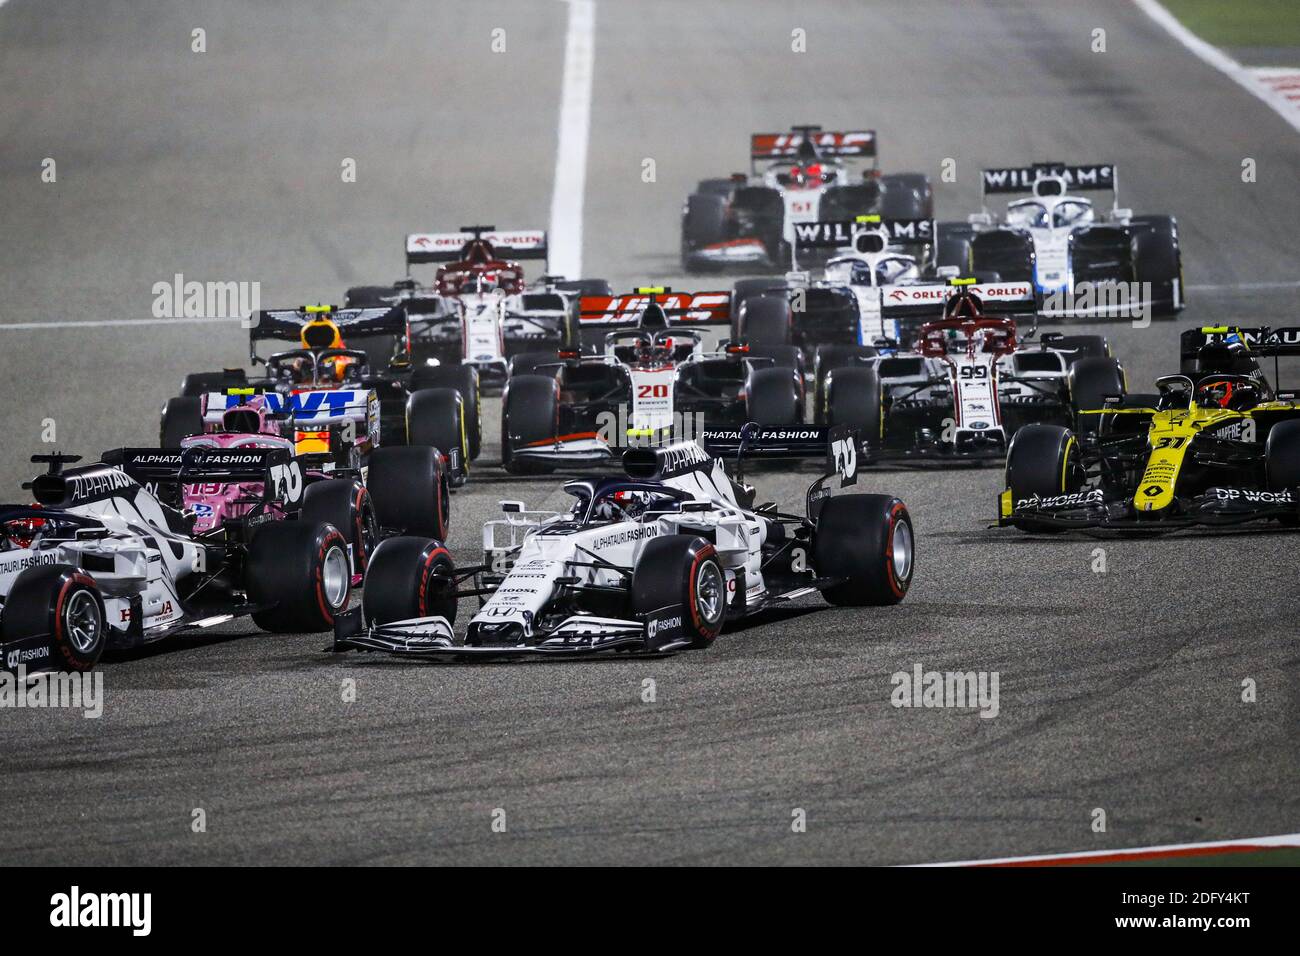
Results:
x,y
1090,381
1102,255
181,418
848,202
868,541
530,413
436,417
1043,461
526,363
772,397
764,210
464,379
703,222
1158,259
782,356
853,397
369,296
63,602
1282,455
906,196
765,320
410,577
955,252
200,383
299,571
1009,254
717,187
345,504
679,577
742,290
410,490
787,357
1083,346
828,358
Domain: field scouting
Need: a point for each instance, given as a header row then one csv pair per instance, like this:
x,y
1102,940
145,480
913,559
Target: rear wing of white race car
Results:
x,y
929,301
681,308
426,247
1024,180
865,234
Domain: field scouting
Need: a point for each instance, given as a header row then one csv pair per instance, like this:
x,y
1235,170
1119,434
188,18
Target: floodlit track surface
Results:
x,y
1119,690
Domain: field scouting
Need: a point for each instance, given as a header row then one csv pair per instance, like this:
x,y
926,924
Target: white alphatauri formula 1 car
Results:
x,y
658,560
99,562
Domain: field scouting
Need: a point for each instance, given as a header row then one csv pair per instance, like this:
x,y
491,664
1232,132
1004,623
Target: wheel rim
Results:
x,y
335,575
369,535
901,550
82,621
709,592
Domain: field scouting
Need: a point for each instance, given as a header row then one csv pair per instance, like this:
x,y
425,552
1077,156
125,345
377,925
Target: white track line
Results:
x,y
1155,852
571,149
104,323
1220,61
1244,286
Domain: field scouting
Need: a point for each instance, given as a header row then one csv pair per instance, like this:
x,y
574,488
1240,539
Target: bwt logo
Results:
x,y
205,300
75,909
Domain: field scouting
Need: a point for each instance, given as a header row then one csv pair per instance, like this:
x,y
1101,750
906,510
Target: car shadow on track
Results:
x,y
1010,536
766,618
176,643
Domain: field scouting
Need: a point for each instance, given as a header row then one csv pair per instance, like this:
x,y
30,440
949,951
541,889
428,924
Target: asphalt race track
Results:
x,y
1119,690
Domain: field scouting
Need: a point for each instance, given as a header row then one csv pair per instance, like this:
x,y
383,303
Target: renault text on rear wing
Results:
x,y
1021,179
424,247
1260,341
684,307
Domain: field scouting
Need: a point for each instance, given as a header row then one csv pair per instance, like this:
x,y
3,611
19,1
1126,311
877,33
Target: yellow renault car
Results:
x,y
1215,444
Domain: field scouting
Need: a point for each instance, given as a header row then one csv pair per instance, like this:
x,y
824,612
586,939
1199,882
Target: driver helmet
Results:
x,y
1234,394
607,509
21,532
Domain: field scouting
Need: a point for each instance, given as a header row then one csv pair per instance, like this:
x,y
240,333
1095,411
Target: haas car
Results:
x,y
1083,261
657,560
655,380
99,562
478,311
344,389
748,221
1216,444
964,386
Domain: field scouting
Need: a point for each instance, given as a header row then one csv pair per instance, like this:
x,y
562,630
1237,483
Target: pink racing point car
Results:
x,y
244,471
